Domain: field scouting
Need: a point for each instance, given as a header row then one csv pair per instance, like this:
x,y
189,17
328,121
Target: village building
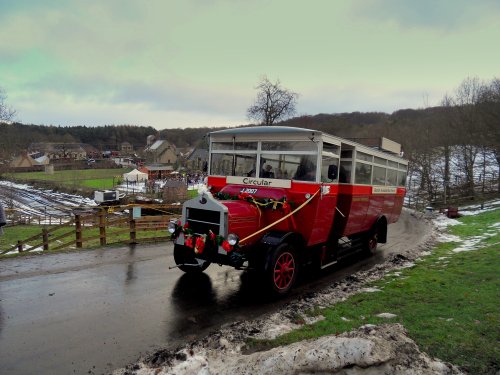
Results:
x,y
126,148
197,160
174,191
60,151
25,162
161,152
157,171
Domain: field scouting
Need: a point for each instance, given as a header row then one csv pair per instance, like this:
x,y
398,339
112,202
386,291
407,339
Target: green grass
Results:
x,y
103,183
92,178
22,232
192,194
18,232
449,306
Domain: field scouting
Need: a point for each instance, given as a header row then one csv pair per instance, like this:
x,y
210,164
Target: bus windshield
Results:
x,y
280,159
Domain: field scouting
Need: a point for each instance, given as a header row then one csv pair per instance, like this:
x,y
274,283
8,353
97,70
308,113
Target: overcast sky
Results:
x,y
186,63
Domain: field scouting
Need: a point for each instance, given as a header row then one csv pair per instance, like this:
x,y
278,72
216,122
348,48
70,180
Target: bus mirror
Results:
x,y
332,172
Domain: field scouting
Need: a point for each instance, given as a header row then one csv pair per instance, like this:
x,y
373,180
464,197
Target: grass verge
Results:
x,y
14,233
92,178
448,302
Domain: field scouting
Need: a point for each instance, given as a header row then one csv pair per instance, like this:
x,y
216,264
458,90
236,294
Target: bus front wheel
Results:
x,y
282,268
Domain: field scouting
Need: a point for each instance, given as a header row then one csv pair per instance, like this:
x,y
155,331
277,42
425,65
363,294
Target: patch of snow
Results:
x,y
408,265
476,208
370,290
386,315
469,244
370,349
445,237
442,221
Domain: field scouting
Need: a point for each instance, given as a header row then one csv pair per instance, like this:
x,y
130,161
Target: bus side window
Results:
x,y
342,175
345,172
329,168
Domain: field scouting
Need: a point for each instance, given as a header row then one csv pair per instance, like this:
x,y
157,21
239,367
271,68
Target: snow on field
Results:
x,y
470,243
27,200
479,208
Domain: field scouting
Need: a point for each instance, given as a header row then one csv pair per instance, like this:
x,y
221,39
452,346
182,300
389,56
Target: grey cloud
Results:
x,y
160,96
439,14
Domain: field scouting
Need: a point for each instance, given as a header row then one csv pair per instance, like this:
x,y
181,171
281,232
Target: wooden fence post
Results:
x,y
78,231
102,227
132,227
45,237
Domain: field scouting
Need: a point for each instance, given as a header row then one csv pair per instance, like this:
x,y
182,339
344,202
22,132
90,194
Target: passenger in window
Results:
x,y
306,171
267,172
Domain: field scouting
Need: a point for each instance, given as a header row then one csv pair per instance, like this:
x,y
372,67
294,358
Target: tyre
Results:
x,y
371,241
282,269
185,260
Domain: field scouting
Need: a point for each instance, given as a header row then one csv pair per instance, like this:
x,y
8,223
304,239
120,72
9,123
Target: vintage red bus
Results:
x,y
280,197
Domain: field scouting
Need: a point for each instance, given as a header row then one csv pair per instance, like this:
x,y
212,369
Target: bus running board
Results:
x,y
323,266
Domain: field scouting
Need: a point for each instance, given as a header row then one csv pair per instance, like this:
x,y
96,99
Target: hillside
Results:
x,y
18,136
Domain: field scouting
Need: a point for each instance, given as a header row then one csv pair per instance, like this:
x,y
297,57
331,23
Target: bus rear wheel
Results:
x,y
185,260
371,242
282,269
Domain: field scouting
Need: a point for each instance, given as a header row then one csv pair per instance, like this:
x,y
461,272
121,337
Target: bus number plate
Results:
x,y
248,191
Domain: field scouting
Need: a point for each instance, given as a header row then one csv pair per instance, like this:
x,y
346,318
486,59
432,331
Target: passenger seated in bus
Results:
x,y
267,172
305,171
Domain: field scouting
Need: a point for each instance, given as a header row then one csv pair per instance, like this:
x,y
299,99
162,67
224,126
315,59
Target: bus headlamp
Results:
x,y
232,239
172,227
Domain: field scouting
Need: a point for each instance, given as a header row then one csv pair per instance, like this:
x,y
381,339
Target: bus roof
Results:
x,y
265,129
277,131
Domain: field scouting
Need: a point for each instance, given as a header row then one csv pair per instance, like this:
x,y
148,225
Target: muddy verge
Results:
x,y
367,350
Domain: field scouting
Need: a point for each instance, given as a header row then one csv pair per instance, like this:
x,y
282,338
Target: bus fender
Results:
x,y
381,227
273,239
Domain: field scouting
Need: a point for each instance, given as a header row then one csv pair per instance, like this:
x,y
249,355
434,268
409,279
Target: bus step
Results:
x,y
323,266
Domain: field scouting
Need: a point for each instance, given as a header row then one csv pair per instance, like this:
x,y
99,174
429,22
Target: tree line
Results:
x,y
462,130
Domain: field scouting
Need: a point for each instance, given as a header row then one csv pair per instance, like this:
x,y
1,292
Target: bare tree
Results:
x,y
6,112
273,103
489,105
469,127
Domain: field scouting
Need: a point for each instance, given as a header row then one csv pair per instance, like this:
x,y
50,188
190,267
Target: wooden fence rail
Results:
x,y
106,226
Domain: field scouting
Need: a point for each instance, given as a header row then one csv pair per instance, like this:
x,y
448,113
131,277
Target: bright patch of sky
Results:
x,y
170,63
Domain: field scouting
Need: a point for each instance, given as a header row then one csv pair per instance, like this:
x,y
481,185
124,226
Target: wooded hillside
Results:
x,y
438,141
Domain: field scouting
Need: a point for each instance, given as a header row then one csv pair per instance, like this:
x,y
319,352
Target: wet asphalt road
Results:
x,y
95,311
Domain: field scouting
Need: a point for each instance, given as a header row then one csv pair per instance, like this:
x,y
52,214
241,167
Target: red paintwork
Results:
x,y
244,218
314,221
361,208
